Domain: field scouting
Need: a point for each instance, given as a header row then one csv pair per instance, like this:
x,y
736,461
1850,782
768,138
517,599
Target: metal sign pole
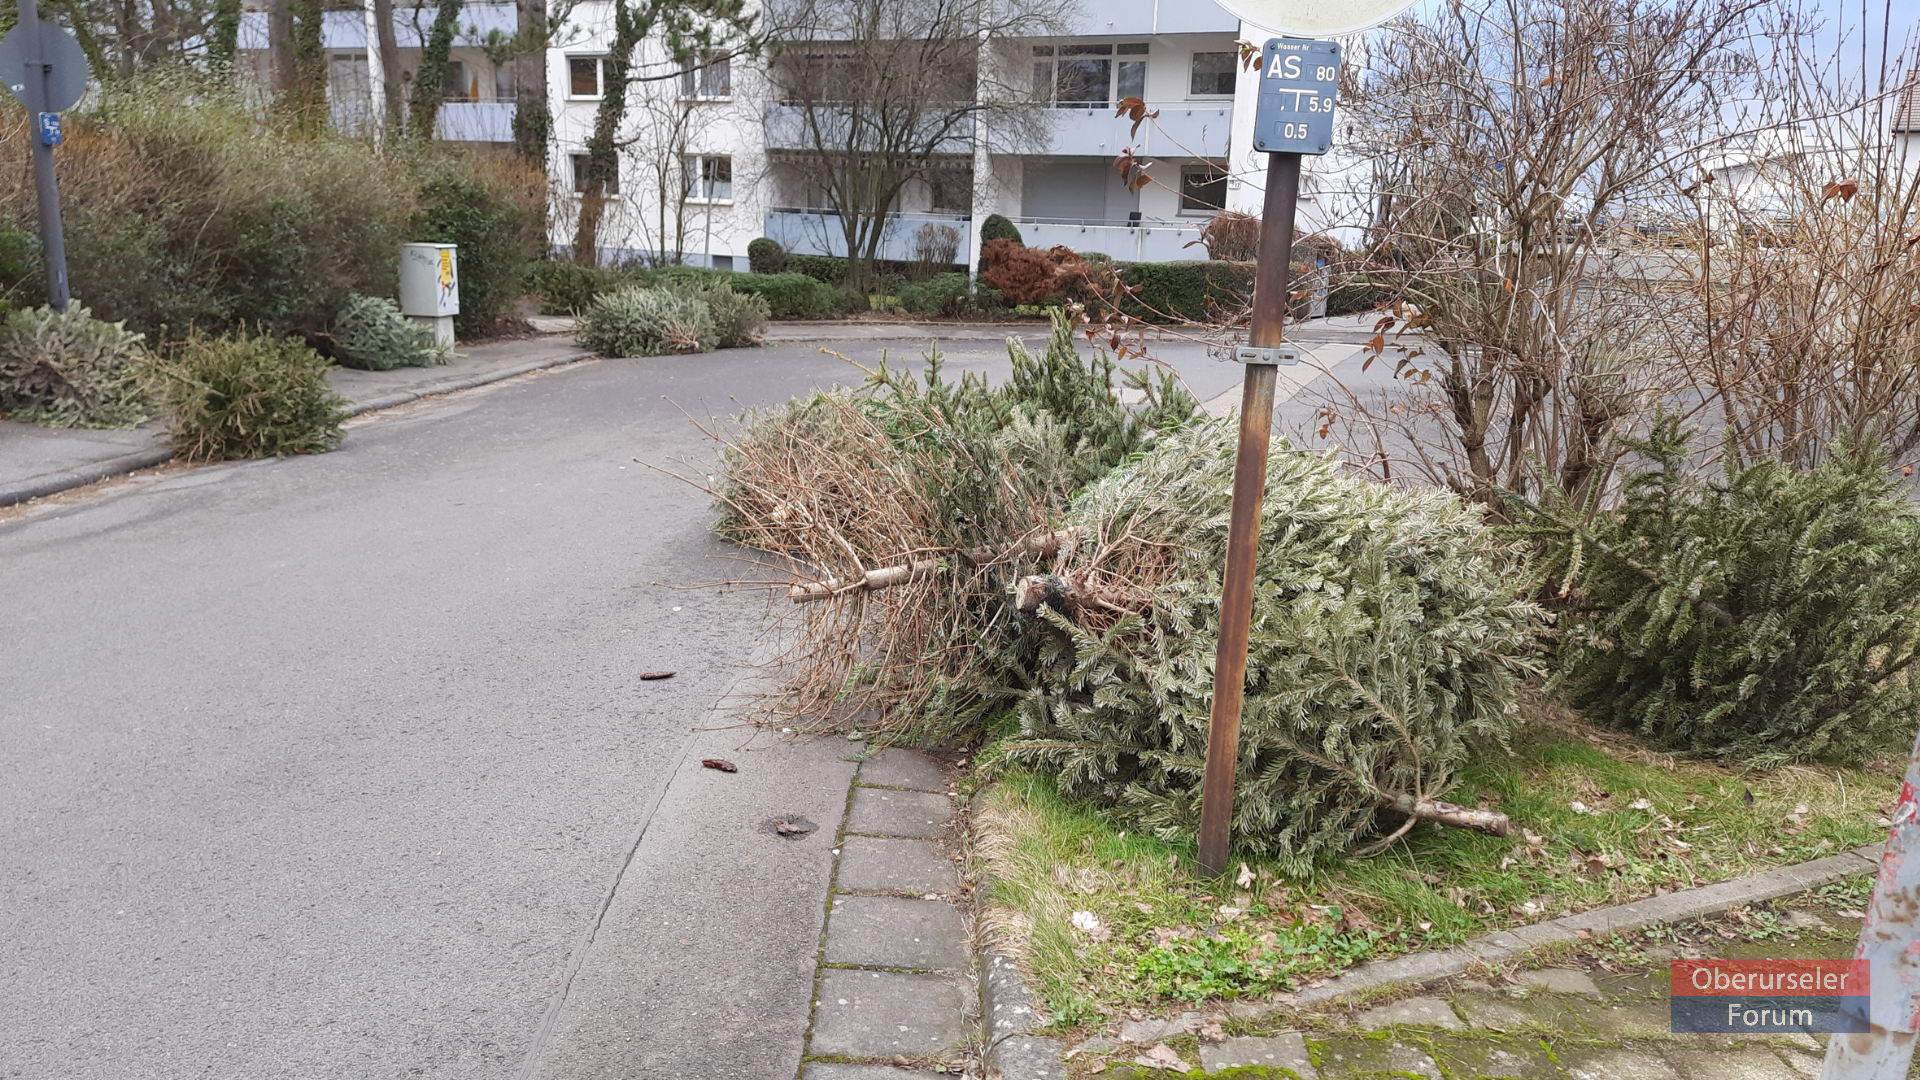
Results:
x,y
44,132
1884,1050
1263,352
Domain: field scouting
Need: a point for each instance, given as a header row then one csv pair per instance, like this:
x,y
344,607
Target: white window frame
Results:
x,y
696,79
599,76
1047,57
1197,53
576,159
695,172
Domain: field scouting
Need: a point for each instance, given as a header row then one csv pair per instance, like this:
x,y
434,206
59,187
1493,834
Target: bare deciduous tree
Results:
x,y
1509,138
873,95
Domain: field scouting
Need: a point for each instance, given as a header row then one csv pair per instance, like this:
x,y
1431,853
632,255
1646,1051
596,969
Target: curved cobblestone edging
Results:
x,y
1419,968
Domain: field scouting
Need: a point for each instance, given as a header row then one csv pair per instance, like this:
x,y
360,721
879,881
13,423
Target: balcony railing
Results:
x,y
1128,241
818,232
1188,128
475,121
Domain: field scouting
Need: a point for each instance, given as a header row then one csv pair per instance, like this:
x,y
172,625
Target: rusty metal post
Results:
x,y
1890,943
1263,351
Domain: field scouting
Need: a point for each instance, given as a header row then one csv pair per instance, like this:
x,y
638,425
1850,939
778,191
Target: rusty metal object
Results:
x,y
1890,943
1270,305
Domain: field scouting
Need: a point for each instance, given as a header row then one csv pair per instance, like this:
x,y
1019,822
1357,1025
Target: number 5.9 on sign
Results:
x,y
1294,109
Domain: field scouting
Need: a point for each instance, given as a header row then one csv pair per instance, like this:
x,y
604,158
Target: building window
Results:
x,y
1213,74
950,193
503,83
710,178
580,175
1089,76
1203,188
583,76
456,86
713,79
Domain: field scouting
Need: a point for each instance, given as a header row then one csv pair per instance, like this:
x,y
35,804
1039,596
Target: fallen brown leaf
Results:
x,y
721,764
650,675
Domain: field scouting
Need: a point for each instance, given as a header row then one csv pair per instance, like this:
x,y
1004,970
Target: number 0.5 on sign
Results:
x,y
1294,110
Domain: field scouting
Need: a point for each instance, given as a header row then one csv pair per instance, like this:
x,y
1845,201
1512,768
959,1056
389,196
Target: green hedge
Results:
x,y
795,296
565,288
827,269
1172,291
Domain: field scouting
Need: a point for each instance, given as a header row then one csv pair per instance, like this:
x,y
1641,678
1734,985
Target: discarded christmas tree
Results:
x,y
1387,643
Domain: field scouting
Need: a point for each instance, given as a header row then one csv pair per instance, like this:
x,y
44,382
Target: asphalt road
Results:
x,y
325,766
339,766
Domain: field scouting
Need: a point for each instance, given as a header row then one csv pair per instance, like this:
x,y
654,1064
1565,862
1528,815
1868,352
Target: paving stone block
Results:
x,y
1029,1057
1806,1064
1560,981
1628,1020
1285,1051
1371,1057
894,767
1515,1058
873,864
1748,1063
883,1013
1616,1065
1502,1013
888,931
917,814
1153,1029
1415,1011
837,1070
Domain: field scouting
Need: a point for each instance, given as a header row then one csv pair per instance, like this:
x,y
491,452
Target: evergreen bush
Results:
x,y
69,369
948,296
247,396
766,256
495,212
1766,618
739,319
998,227
1184,291
1387,641
370,333
826,269
794,296
646,322
565,288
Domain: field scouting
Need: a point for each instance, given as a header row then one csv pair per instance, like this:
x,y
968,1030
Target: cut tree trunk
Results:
x,y
1491,822
807,592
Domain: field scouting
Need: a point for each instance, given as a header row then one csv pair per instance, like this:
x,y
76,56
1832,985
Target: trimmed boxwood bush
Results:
x,y
998,227
248,396
829,269
1170,291
793,295
565,288
766,256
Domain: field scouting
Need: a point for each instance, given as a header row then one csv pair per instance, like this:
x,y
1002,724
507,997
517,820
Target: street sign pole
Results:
x,y
45,128
1264,351
1299,79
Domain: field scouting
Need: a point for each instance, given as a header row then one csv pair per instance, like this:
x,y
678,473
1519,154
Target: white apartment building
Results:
x,y
710,159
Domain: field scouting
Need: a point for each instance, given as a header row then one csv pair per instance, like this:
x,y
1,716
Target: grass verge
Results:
x,y
1108,921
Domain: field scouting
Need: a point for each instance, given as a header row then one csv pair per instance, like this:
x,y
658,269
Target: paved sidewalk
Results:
x,y
37,461
894,986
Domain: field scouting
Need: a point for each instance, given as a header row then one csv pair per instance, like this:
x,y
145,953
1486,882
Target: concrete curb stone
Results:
x,y
1507,945
147,459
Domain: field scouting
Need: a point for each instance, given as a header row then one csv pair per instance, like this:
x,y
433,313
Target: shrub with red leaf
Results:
x,y
1021,274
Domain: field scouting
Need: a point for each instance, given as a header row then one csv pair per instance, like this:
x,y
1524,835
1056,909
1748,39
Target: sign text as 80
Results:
x,y
1294,107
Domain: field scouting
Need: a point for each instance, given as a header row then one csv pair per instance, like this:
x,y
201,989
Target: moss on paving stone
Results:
x,y
1542,1012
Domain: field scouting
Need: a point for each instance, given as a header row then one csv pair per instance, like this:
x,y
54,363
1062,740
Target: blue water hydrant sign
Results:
x,y
1293,113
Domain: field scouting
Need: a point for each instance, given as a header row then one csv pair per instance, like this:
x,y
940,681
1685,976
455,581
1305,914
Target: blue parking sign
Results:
x,y
1293,113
